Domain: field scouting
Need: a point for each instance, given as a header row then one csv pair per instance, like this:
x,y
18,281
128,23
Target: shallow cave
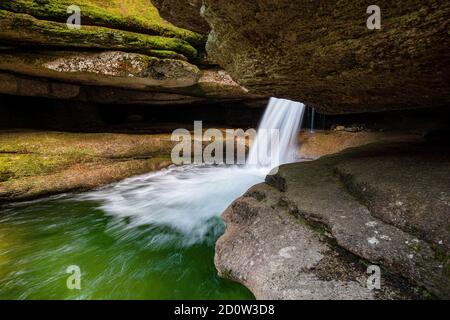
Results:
x,y
18,112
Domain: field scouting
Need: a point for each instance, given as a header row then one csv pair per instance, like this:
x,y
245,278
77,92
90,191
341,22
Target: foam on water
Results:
x,y
185,198
188,198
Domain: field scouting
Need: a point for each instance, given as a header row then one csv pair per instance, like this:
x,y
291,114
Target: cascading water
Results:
x,y
188,198
276,141
147,237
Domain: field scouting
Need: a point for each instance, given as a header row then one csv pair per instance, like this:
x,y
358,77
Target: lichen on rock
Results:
x,y
123,64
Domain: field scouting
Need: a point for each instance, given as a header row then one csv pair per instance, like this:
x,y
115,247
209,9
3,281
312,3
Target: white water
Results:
x,y
184,198
189,199
283,117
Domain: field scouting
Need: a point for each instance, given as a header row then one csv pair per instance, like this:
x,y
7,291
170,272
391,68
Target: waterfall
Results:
x,y
276,140
188,199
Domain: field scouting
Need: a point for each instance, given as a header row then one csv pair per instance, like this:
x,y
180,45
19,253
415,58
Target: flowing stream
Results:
x,y
147,237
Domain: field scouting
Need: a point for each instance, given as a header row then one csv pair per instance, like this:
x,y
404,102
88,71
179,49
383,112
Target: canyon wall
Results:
x,y
323,54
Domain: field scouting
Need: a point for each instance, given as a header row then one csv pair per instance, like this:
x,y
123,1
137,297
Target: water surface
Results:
x,y
148,237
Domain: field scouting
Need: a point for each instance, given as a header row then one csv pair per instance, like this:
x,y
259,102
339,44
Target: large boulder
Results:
x,y
322,53
282,235
183,13
36,164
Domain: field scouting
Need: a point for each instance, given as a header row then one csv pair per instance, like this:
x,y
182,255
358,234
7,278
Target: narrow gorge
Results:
x,y
329,143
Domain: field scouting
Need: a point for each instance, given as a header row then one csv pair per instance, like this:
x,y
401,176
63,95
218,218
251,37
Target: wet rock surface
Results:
x,y
319,203
279,256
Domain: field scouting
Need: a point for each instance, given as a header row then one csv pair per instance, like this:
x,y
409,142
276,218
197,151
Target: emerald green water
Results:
x,y
123,252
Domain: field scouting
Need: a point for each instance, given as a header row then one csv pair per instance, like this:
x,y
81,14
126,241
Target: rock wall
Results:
x,y
183,13
322,53
123,53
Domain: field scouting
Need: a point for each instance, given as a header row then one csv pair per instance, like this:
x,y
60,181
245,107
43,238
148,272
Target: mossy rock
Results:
x,y
14,166
34,164
132,15
184,13
25,29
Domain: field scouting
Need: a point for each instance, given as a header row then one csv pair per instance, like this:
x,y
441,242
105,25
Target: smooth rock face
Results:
x,y
24,29
36,164
278,256
321,143
183,13
276,262
388,215
115,77
323,54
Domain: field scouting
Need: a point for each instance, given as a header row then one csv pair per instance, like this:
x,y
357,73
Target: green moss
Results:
x,y
25,29
29,158
91,145
38,163
24,155
13,166
133,15
167,54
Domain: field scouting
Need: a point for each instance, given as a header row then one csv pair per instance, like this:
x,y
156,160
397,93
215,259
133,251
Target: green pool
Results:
x,y
150,237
